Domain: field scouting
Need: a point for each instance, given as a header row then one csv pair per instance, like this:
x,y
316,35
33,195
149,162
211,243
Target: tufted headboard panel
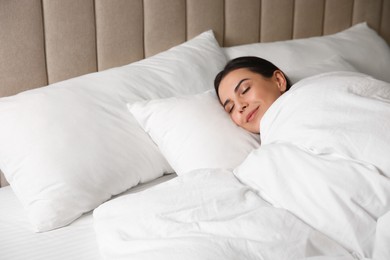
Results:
x,y
46,41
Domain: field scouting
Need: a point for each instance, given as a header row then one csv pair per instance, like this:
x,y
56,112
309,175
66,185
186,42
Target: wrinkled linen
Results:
x,y
325,157
205,214
318,188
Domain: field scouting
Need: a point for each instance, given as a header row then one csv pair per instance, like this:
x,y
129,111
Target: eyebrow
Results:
x,y
235,91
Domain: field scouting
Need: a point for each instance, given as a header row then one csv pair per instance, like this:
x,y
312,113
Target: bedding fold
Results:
x,y
205,214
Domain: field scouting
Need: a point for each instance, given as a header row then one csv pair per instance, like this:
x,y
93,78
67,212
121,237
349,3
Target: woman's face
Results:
x,y
247,95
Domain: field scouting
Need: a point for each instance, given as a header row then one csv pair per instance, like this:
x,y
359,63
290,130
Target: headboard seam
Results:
x,y
260,18
186,20
44,41
224,23
293,19
323,16
143,29
353,11
96,35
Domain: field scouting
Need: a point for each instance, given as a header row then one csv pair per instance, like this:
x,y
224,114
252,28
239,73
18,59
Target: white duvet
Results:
x,y
318,188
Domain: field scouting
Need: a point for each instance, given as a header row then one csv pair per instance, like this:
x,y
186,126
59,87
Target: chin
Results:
x,y
252,127
253,131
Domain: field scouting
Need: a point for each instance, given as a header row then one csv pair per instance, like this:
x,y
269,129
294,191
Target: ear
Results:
x,y
280,80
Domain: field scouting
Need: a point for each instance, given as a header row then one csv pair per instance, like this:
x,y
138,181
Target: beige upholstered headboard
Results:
x,y
45,41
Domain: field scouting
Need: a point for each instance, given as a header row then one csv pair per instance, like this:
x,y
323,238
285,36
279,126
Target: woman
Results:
x,y
247,87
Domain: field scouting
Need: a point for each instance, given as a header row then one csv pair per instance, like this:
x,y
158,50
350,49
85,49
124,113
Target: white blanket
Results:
x,y
343,113
323,165
325,157
205,214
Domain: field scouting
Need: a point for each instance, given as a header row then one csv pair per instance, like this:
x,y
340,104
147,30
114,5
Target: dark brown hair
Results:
x,y
252,63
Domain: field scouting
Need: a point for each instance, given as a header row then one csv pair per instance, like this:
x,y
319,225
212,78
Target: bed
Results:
x,y
114,146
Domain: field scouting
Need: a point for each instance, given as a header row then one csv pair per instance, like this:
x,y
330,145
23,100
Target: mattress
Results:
x,y
75,241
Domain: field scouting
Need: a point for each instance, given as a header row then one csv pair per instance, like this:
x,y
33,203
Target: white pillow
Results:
x,y
359,45
69,147
194,132
335,63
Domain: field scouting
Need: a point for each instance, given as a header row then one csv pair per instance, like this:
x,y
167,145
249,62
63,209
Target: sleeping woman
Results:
x,y
247,87
343,113
325,141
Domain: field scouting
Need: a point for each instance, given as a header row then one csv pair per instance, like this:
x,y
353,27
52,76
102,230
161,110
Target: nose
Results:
x,y
242,106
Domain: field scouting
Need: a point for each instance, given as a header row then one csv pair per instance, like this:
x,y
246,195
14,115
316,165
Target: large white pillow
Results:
x,y
194,132
68,147
359,45
335,63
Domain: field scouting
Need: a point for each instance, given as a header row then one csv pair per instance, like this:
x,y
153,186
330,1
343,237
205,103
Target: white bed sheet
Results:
x,y
76,241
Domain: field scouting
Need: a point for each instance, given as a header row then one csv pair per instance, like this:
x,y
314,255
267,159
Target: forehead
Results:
x,y
231,80
236,76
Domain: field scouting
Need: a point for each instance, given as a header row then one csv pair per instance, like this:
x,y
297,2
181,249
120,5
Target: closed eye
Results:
x,y
246,90
231,109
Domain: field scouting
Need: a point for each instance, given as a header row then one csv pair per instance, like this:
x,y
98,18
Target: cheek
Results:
x,y
258,96
236,119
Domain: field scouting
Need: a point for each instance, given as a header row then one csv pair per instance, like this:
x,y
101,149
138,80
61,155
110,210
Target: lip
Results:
x,y
251,115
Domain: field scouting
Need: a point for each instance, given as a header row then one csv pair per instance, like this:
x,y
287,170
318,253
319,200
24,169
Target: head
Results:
x,y
247,87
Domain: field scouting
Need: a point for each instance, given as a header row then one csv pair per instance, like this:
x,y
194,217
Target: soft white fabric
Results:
x,y
359,45
18,242
205,214
324,157
382,238
194,132
68,147
344,113
335,63
75,241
